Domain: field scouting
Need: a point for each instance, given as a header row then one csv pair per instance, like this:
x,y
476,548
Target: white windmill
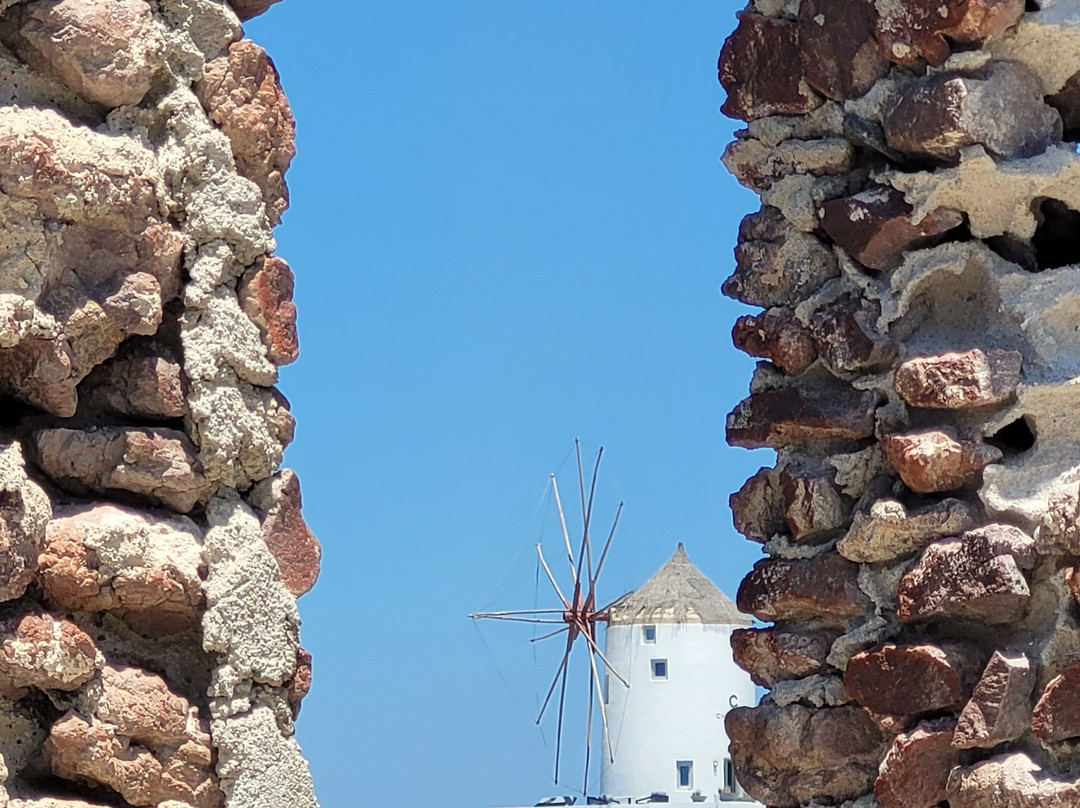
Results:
x,y
664,681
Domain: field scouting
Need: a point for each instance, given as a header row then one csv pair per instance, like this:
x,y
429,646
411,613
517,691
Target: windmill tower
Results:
x,y
671,639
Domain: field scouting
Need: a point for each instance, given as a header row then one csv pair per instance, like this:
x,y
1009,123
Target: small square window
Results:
x,y
685,772
659,669
648,634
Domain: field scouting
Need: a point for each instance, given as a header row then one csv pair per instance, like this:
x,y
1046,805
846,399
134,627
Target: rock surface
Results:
x,y
906,680
937,460
974,378
1000,705
915,771
824,587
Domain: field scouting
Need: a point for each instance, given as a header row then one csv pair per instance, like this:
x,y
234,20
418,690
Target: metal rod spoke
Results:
x,y
588,742
565,532
599,653
562,704
603,708
475,615
607,546
588,511
515,619
555,681
551,577
552,634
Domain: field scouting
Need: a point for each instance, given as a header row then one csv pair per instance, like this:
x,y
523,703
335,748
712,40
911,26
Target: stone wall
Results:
x,y
151,549
917,260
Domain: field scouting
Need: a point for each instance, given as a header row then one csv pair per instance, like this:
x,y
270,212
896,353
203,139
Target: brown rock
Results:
x,y
841,58
952,381
847,336
916,29
758,507
1057,713
975,577
140,706
143,567
106,52
776,265
266,292
758,165
772,655
761,68
246,9
1013,780
787,756
156,463
287,535
144,380
1058,531
915,771
1072,581
935,460
907,680
300,684
888,530
1067,102
24,513
824,587
39,650
777,336
90,751
813,508
242,93
876,227
933,118
1000,705
101,272
777,418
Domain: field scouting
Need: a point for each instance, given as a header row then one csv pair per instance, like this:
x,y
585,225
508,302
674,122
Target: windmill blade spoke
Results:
x,y
588,511
476,615
588,741
512,618
552,634
565,532
607,546
551,577
608,665
555,681
562,705
603,707
585,535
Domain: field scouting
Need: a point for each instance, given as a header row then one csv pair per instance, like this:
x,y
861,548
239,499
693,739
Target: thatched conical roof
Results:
x,y
678,593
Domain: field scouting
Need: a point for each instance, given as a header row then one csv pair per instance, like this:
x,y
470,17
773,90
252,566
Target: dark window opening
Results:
x,y
1015,437
1055,242
659,669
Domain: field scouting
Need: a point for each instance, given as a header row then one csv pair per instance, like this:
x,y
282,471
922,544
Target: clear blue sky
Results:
x,y
509,229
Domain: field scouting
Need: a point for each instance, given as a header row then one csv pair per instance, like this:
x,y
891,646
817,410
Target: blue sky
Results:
x,y
509,229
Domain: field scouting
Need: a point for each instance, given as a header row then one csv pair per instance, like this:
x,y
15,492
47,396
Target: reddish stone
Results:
x,y
1057,713
788,756
287,535
1013,780
915,771
758,507
824,587
776,265
933,118
974,577
156,463
39,650
300,683
813,508
777,418
144,380
1000,705
842,60
1072,581
242,93
772,655
936,460
847,336
915,29
952,381
266,295
876,227
778,336
907,680
761,68
246,9
888,530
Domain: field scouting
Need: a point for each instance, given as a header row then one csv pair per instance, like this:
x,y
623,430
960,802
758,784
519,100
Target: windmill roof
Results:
x,y
678,593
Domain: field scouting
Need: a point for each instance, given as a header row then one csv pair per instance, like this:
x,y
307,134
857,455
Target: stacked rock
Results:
x,y
917,258
151,549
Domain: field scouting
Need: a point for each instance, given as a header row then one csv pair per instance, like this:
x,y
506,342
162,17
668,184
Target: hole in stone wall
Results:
x,y
1056,240
1031,5
1014,251
1015,437
14,412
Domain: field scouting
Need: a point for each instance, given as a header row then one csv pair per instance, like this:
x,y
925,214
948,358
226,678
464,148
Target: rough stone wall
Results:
x,y
151,548
917,258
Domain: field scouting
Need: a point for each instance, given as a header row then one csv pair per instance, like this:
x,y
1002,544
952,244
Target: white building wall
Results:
x,y
655,723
